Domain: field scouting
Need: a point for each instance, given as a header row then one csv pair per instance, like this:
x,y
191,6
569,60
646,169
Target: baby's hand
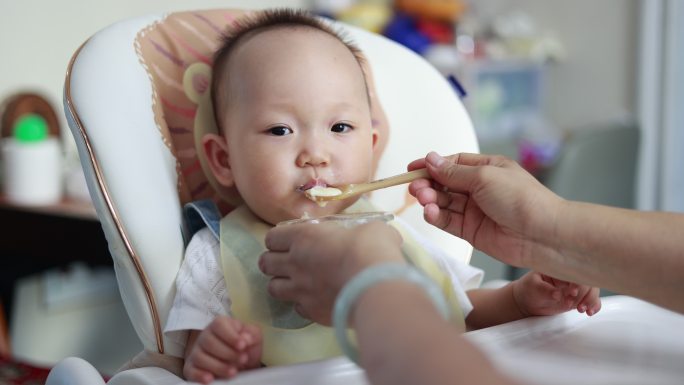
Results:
x,y
539,294
222,349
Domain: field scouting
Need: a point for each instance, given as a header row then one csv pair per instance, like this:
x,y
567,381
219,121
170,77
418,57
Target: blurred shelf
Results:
x,y
70,208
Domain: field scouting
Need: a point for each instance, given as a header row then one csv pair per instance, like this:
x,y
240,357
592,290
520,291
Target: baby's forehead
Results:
x,y
289,38
287,44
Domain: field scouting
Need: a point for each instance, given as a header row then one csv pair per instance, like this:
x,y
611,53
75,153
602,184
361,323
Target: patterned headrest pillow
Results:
x,y
177,53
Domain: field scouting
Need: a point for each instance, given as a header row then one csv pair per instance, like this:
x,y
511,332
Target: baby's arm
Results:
x,y
532,295
221,350
492,307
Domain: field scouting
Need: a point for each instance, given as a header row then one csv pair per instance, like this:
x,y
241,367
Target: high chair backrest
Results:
x,y
134,96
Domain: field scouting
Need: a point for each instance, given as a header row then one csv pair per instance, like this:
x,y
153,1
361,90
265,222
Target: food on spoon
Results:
x,y
321,191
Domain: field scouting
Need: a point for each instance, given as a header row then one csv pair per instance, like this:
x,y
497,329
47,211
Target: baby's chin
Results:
x,y
311,209
301,208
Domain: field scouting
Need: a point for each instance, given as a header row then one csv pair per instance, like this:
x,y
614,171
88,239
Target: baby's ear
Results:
x,y
215,149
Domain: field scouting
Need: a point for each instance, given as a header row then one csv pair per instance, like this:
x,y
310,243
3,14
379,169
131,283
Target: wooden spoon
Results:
x,y
324,194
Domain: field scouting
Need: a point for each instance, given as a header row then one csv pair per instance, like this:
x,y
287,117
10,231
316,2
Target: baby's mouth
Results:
x,y
311,184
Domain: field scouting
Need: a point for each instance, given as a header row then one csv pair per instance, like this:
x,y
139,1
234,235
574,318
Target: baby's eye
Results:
x,y
341,127
280,131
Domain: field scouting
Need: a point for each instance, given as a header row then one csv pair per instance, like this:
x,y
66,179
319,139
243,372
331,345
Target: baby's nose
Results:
x,y
316,157
314,153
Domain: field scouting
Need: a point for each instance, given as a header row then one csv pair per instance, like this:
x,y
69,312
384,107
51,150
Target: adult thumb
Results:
x,y
450,174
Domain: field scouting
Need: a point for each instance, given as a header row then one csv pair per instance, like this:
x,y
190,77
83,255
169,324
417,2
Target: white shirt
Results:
x,y
201,293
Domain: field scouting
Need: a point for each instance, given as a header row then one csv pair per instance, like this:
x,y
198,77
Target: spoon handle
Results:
x,y
390,181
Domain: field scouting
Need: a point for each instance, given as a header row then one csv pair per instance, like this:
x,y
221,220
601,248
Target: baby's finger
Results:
x,y
195,374
215,347
590,302
226,330
571,290
251,334
566,288
203,362
583,303
546,288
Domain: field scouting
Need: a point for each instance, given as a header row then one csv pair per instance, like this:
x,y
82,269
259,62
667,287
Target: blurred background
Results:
x,y
586,95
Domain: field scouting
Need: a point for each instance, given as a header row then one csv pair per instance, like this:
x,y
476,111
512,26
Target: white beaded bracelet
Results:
x,y
370,277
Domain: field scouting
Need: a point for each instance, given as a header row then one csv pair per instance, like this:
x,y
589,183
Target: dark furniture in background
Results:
x,y
34,239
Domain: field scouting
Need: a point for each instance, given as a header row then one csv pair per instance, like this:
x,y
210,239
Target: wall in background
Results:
x,y
660,100
594,85
673,138
38,37
597,81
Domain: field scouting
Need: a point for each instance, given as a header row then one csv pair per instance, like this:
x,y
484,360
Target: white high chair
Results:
x,y
132,103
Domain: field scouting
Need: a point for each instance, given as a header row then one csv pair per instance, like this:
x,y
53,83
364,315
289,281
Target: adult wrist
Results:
x,y
370,277
556,228
546,235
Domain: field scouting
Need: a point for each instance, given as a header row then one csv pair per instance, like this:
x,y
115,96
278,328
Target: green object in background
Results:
x,y
30,128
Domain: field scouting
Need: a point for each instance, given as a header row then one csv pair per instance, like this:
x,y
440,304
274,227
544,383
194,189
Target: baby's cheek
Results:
x,y
268,193
266,180
357,172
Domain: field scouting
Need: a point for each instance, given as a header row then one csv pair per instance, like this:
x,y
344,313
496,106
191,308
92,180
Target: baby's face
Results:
x,y
297,116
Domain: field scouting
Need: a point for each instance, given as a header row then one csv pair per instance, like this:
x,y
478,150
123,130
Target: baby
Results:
x,y
293,109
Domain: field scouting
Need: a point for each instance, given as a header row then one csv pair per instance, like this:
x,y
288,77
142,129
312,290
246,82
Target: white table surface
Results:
x,y
628,342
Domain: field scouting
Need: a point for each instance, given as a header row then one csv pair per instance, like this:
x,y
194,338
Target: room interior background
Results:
x,y
596,83
623,62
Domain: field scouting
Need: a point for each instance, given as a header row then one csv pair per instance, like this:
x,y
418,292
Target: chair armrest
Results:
x,y
74,371
77,371
146,376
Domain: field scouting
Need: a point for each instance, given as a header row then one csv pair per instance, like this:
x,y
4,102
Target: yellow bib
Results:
x,y
289,338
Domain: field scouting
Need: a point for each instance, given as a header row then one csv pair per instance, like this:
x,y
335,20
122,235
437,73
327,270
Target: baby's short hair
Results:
x,y
260,21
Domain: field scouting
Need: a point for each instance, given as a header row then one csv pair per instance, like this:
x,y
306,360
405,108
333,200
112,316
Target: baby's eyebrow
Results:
x,y
347,107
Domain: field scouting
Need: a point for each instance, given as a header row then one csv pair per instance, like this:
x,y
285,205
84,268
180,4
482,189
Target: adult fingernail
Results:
x,y
435,159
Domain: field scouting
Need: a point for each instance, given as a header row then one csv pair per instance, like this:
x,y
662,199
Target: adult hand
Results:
x,y
310,263
489,201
